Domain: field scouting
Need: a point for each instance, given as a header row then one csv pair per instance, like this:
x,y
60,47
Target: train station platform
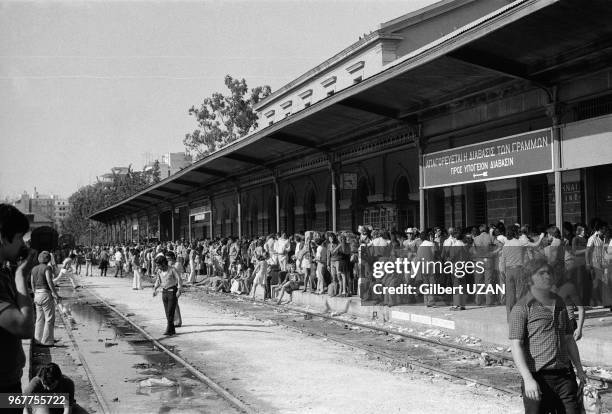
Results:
x,y
476,322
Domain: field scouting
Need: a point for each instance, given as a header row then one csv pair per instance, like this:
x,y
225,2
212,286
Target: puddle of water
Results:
x,y
121,357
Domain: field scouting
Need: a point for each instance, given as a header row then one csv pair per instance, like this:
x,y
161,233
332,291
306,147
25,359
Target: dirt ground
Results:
x,y
274,369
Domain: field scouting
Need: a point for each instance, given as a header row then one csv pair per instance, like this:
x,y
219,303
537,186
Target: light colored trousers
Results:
x,y
320,278
136,278
45,316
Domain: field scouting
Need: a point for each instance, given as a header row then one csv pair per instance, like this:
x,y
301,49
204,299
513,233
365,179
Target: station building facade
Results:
x,y
462,113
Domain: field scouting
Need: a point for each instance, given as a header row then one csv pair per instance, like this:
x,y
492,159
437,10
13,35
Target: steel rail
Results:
x,y
96,388
225,394
493,355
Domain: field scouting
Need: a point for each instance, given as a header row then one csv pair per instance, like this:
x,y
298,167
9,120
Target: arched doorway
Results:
x,y
405,212
310,212
223,227
360,202
271,215
289,225
253,227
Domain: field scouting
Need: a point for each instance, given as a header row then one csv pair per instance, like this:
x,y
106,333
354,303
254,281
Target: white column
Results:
x,y
277,199
239,215
333,198
422,224
172,223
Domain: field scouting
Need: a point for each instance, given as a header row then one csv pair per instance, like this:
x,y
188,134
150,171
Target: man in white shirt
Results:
x,y
269,248
427,254
449,242
118,263
281,249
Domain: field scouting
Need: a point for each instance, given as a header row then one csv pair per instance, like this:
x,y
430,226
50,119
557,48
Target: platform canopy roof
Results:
x,y
539,41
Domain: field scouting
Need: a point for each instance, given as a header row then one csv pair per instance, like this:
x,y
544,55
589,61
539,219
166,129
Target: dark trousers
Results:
x,y
268,287
583,283
559,393
170,301
119,269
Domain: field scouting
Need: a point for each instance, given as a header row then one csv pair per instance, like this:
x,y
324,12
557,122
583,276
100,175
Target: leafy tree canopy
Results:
x,y
224,119
91,198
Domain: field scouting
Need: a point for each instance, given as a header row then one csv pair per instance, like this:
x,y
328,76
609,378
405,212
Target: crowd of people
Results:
x,y
342,264
572,265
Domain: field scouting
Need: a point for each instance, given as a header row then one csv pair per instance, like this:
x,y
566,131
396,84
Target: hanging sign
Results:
x,y
518,155
200,210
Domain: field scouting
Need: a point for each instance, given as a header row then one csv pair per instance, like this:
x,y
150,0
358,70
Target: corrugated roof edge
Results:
x,y
387,68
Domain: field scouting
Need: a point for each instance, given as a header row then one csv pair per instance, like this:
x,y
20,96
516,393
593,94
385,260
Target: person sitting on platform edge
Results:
x,y
543,345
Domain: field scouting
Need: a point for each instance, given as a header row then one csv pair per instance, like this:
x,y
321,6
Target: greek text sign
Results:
x,y
517,155
200,210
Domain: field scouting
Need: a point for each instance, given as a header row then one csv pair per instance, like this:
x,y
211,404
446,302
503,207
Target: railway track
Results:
x,y
105,405
454,361
432,356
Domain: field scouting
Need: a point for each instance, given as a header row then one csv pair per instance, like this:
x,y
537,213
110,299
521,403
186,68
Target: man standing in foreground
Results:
x,y
16,311
543,345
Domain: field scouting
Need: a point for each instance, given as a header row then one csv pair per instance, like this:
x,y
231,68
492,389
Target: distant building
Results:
x,y
170,163
115,172
43,209
61,210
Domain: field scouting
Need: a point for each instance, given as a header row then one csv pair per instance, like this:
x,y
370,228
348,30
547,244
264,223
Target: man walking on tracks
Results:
x,y
543,345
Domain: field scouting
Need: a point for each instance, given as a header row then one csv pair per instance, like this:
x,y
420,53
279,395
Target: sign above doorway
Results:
x,y
517,155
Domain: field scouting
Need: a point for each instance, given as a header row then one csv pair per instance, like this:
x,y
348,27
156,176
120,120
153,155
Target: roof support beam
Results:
x,y
295,140
491,63
137,203
189,183
210,171
153,196
359,104
246,159
168,190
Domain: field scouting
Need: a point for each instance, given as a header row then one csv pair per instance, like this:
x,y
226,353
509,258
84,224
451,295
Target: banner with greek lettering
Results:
x,y
514,156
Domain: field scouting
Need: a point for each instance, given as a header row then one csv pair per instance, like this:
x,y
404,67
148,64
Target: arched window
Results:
x,y
310,212
360,202
289,225
271,215
405,217
253,224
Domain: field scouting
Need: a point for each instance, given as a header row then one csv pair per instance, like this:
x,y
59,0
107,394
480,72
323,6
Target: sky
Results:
x,y
89,85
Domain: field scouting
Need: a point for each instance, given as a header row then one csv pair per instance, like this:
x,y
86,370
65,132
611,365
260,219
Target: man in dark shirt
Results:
x,y
543,346
16,311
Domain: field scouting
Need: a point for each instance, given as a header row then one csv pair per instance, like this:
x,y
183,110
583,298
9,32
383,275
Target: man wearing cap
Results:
x,y
410,243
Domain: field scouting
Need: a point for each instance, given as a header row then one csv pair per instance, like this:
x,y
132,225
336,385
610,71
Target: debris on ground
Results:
x,y
468,340
157,382
485,360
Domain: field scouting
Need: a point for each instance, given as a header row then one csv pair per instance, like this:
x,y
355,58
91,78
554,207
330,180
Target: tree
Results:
x,y
91,198
224,119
